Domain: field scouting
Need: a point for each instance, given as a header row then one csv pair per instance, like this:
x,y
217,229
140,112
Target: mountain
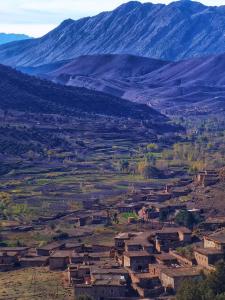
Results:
x,y
105,73
195,85
182,29
28,94
10,37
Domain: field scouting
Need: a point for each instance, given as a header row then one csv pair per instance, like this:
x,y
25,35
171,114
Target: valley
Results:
x,y
188,87
112,155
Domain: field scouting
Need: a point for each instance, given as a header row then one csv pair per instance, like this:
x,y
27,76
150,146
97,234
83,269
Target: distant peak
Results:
x,y
187,2
67,22
130,5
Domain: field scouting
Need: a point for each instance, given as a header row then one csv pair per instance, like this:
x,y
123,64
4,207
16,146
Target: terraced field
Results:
x,y
85,163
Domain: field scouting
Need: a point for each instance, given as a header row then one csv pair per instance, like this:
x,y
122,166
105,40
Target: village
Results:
x,y
148,260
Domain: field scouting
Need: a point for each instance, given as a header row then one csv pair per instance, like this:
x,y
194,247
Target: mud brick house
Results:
x,y
59,260
208,257
146,286
213,223
100,281
173,277
159,196
20,251
8,261
170,238
105,273
101,289
50,248
129,208
133,245
216,240
120,239
137,261
77,274
80,258
156,269
207,178
77,247
139,243
100,248
100,218
34,261
166,259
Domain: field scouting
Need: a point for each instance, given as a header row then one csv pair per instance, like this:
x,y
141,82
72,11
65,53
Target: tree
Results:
x,y
216,280
190,290
207,288
163,215
5,203
145,169
187,219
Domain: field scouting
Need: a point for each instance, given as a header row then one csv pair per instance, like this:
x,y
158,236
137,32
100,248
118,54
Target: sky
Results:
x,y
37,17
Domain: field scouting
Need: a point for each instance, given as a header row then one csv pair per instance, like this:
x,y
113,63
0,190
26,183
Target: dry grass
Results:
x,y
35,284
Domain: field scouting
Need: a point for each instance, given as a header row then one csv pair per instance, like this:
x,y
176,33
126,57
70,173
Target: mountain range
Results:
x,y
11,37
24,93
177,31
195,85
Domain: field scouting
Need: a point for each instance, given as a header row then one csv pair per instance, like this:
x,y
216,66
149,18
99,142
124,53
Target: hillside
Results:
x,y
69,143
195,85
24,93
10,37
182,29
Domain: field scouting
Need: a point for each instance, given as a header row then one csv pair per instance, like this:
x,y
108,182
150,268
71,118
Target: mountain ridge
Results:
x,y
189,85
176,31
25,93
12,37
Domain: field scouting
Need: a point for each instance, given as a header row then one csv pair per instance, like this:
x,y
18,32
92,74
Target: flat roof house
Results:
x,y
48,249
173,277
137,261
59,259
20,251
216,240
208,257
8,261
102,289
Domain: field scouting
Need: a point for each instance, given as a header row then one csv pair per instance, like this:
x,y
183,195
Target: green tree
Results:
x,y
207,288
187,219
216,280
189,290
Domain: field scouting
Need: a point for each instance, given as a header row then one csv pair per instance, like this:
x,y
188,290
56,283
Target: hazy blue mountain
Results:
x,y
176,31
11,37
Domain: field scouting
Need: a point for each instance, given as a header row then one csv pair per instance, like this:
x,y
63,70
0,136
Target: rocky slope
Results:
x,y
194,85
176,31
24,93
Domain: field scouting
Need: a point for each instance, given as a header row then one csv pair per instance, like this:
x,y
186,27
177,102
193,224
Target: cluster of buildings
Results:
x,y
137,265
